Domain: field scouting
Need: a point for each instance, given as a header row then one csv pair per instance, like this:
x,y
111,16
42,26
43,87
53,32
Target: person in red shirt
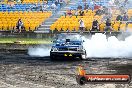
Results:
x,y
96,7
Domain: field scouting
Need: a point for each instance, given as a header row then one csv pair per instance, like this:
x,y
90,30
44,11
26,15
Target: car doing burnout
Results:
x,y
69,46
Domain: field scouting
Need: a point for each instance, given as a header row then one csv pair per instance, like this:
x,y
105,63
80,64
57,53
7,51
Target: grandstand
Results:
x,y
39,21
70,23
31,20
30,11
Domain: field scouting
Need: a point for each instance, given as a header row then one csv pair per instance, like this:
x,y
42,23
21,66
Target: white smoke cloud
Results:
x,y
39,51
97,46
100,46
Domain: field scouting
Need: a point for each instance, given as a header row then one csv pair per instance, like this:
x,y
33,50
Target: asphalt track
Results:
x,y
19,70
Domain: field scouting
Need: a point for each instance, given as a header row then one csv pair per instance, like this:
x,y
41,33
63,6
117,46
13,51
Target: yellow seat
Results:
x,y
123,27
101,27
116,26
88,26
129,27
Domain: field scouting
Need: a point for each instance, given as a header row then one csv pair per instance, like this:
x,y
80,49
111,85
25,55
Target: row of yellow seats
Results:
x,y
25,19
71,27
16,18
13,26
21,12
26,14
30,23
28,27
32,1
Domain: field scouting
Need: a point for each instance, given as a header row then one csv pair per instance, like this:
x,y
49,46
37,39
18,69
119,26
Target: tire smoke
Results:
x,y
101,46
98,46
39,51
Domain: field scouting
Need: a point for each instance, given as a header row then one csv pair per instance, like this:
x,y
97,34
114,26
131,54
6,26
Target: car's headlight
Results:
x,y
80,48
54,49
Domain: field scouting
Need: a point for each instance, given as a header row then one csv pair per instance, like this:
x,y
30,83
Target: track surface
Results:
x,y
23,71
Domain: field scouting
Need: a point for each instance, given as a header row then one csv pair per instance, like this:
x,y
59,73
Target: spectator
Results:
x,y
20,25
44,7
18,1
61,3
85,6
76,13
99,12
122,9
119,18
125,17
53,6
56,2
10,4
131,18
91,5
108,25
95,25
81,12
87,10
105,10
105,17
96,7
65,14
69,13
36,7
79,7
82,26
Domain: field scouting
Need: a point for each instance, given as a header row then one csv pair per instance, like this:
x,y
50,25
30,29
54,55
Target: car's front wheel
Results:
x,y
83,56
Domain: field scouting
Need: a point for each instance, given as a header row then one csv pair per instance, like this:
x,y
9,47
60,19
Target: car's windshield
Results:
x,y
72,37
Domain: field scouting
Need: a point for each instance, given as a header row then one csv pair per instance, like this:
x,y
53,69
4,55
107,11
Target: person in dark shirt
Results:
x,y
95,25
19,25
99,12
125,17
119,18
56,3
79,7
85,6
81,12
108,25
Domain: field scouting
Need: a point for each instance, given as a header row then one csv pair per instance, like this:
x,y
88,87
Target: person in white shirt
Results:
x,y
44,7
76,13
82,26
53,6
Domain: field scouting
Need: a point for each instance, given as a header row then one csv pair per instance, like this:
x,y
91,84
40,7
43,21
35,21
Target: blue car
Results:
x,y
68,45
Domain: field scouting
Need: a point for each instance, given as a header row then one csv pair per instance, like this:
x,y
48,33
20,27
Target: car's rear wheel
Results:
x,y
52,57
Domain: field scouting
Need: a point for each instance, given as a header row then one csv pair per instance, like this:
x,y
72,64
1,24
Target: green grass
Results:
x,y
25,41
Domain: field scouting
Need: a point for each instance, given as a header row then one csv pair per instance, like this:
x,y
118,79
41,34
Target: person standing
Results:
x,y
76,13
108,25
125,17
95,25
82,26
20,25
119,18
